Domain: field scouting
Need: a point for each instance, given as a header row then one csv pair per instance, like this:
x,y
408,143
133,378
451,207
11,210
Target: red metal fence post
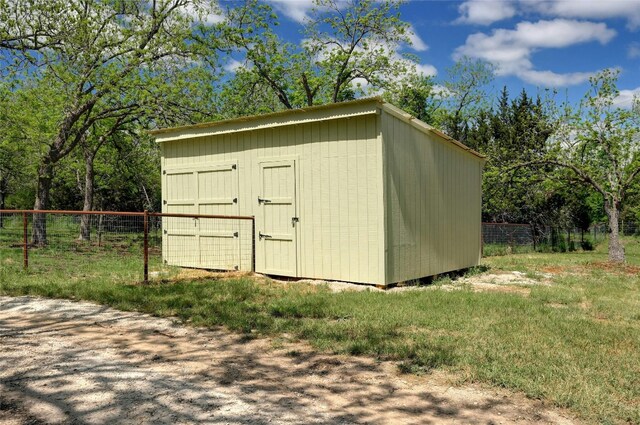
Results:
x,y
146,246
25,248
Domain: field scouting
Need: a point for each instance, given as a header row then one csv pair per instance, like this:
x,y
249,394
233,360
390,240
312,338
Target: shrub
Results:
x,y
586,245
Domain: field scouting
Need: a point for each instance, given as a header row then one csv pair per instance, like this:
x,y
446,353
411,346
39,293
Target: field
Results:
x,y
572,340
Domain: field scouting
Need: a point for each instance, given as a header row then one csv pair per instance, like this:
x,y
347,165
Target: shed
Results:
x,y
357,191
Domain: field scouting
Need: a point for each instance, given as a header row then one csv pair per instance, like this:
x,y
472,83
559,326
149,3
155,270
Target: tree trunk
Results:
x,y
85,220
616,250
45,178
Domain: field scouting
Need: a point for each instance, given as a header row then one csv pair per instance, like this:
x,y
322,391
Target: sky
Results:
x,y
534,44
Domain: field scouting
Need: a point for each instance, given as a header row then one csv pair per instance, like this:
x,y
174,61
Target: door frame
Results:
x,y
295,161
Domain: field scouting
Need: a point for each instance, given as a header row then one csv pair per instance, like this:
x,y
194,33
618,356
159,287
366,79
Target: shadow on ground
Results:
x,y
66,362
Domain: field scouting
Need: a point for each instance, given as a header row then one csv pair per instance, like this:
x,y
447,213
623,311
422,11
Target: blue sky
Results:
x,y
533,44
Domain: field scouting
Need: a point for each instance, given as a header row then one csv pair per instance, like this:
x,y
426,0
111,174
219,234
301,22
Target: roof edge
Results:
x,y
217,127
426,128
252,118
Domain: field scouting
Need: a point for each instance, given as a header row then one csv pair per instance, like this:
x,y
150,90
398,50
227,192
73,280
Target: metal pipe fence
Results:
x,y
214,242
136,240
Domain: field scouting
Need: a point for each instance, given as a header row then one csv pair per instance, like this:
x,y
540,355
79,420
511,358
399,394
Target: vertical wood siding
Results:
x,y
433,203
339,188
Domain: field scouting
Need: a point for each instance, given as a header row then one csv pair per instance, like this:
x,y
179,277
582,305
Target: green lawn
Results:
x,y
575,343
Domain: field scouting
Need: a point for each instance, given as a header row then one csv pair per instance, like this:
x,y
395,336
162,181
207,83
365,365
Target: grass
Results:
x,y
575,343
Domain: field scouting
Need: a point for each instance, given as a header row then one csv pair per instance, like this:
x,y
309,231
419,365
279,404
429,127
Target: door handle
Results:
x,y
294,220
263,236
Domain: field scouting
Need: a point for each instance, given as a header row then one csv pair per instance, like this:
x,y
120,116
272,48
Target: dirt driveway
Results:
x,y
71,362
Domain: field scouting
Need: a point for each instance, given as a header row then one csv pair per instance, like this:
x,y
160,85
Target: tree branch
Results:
x,y
583,175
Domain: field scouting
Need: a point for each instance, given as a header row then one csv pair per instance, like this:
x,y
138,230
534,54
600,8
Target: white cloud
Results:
x,y
589,9
233,65
625,98
427,70
441,92
417,43
633,51
296,10
207,13
363,85
553,79
511,50
485,12
562,33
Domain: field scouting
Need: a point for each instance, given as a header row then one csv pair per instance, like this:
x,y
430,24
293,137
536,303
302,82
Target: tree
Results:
x,y
417,96
28,119
111,58
464,95
515,131
598,145
11,160
91,144
349,49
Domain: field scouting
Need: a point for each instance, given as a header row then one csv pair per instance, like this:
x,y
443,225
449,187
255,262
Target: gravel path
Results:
x,y
76,362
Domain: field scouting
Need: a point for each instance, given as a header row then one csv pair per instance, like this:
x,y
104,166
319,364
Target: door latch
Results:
x,y
294,220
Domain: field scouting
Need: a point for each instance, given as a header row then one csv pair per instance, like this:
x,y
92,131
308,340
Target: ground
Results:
x,y
562,328
77,362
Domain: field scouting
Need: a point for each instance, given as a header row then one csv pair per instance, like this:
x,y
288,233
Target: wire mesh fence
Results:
x,y
213,243
629,228
130,242
504,238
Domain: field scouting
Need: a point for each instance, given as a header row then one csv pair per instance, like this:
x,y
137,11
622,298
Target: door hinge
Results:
x,y
235,234
263,236
165,232
164,202
235,200
164,171
234,166
263,201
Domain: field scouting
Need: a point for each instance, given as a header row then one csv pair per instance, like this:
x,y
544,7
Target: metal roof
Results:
x,y
348,109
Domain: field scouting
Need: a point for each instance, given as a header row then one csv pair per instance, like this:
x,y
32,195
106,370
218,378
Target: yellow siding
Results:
x,y
433,203
338,162
380,197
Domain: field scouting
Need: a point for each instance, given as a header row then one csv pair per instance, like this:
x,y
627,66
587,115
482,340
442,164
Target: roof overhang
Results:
x,y
355,108
426,128
311,114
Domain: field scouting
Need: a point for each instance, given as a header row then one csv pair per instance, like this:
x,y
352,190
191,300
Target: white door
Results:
x,y
180,240
218,239
202,242
277,219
